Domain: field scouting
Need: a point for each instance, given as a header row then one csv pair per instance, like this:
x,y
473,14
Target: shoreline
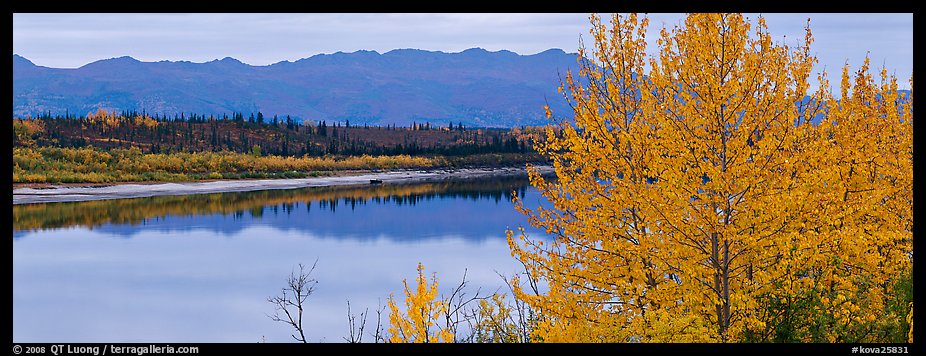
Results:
x,y
87,192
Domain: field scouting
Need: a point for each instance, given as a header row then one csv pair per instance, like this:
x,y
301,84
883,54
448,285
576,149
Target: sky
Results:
x,y
73,40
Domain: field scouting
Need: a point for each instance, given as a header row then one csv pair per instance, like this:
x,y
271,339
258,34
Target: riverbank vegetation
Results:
x,y
108,147
191,132
96,165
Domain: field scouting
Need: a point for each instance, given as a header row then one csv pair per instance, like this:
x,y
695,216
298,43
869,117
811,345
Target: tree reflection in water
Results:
x,y
256,205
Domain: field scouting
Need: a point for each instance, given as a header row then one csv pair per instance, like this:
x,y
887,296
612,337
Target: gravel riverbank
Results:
x,y
55,193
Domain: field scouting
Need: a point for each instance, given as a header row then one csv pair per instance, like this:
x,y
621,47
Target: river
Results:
x,y
199,268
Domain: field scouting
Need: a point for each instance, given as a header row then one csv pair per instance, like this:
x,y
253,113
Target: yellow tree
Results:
x,y
107,120
859,230
25,131
694,186
423,309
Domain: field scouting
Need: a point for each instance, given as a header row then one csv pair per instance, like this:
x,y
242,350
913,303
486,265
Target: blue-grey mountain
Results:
x,y
476,87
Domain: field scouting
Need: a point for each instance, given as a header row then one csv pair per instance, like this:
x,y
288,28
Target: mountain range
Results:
x,y
475,87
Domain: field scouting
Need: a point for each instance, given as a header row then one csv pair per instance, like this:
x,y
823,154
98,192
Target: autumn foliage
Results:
x,y
420,320
87,164
280,137
708,193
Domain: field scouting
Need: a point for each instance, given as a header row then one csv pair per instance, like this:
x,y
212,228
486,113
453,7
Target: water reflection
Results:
x,y
405,211
199,268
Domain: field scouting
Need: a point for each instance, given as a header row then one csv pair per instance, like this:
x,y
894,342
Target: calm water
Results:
x,y
200,267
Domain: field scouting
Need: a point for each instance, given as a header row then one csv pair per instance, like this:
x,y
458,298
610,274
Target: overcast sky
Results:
x,y
72,40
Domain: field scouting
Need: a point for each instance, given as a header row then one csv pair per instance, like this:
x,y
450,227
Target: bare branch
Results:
x,y
356,337
298,288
